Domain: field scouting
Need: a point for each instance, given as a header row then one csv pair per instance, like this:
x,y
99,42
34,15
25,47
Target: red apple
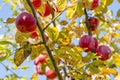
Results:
x,y
94,23
25,22
40,59
34,35
104,52
36,3
51,74
87,42
94,4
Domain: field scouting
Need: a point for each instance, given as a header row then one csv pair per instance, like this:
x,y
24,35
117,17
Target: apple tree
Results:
x,y
66,39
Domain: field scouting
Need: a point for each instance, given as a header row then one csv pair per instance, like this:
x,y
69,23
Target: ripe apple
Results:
x,y
34,35
87,42
25,22
40,59
36,3
94,4
104,52
94,23
51,74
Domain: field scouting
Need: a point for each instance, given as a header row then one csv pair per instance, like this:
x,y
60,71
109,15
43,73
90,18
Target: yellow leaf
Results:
x,y
117,26
41,9
34,76
24,67
116,58
53,33
10,20
71,11
109,71
61,4
20,56
36,50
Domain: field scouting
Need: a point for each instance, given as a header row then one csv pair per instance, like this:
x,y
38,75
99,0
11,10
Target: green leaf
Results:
x,y
24,67
5,42
53,33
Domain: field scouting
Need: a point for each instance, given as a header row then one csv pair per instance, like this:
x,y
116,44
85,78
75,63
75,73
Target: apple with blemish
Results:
x,y
25,22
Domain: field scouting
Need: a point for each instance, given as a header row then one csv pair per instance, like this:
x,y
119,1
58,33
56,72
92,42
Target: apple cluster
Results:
x,y
41,59
88,43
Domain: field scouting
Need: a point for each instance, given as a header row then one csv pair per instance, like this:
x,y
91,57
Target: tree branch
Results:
x,y
44,42
87,23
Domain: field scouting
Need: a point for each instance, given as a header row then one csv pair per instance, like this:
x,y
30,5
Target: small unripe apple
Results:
x,y
40,59
50,74
94,4
25,22
94,23
87,42
104,52
36,3
34,35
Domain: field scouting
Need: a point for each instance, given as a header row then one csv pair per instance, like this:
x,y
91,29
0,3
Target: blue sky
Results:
x,y
5,12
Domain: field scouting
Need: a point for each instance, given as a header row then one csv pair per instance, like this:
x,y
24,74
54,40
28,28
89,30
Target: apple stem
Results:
x,y
87,23
44,41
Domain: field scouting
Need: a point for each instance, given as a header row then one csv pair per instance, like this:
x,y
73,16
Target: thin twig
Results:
x,y
53,20
52,13
44,42
10,70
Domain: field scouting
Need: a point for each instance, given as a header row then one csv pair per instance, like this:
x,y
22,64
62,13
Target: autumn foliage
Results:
x,y
75,39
